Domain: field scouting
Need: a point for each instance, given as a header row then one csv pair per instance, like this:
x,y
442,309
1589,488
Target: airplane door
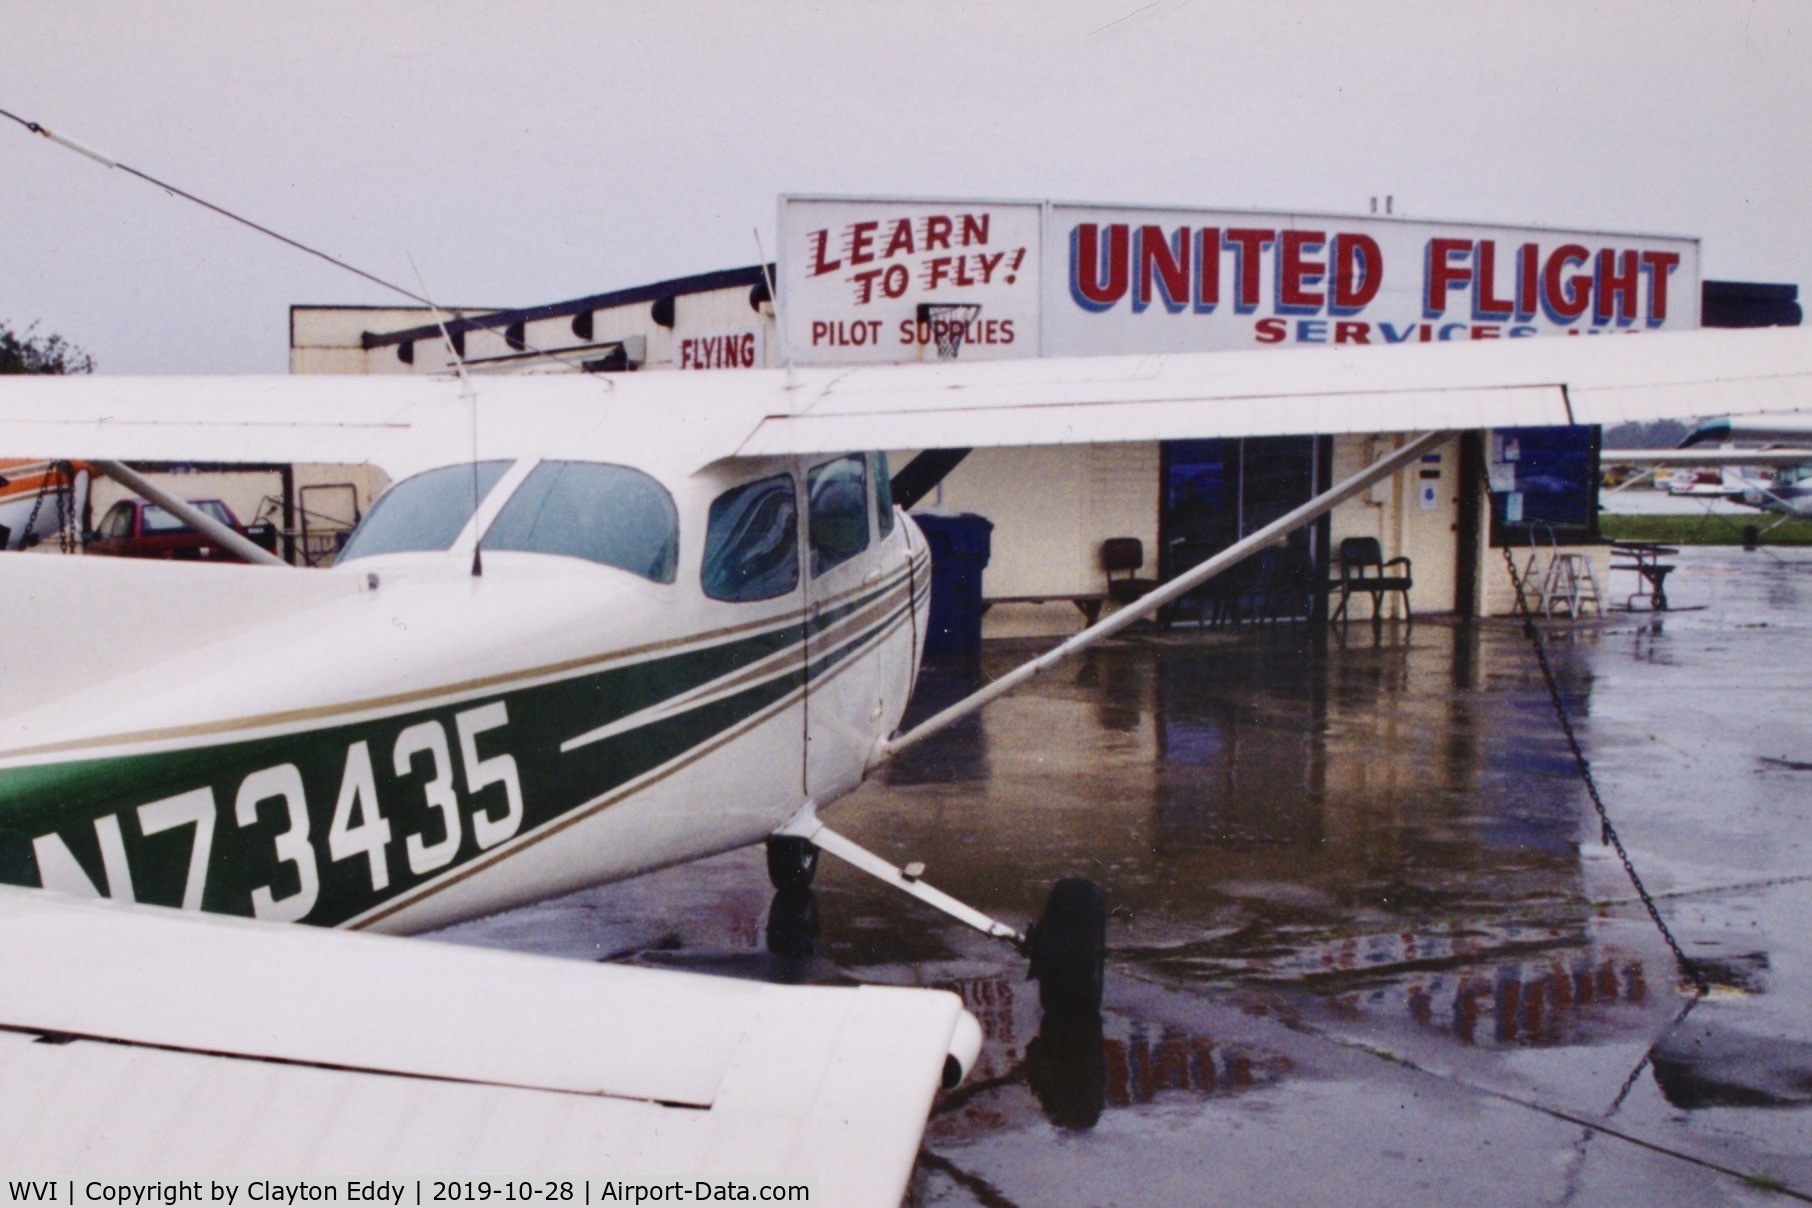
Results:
x,y
843,569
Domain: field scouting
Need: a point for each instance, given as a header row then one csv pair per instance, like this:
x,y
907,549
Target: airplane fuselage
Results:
x,y
640,671
1787,492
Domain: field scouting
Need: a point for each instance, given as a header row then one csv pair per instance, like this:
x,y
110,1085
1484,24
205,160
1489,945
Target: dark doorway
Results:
x,y
1218,491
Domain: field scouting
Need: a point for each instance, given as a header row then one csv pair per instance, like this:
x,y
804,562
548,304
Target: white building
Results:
x,y
873,280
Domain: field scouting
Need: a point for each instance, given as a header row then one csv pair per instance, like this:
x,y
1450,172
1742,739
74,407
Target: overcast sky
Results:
x,y
525,151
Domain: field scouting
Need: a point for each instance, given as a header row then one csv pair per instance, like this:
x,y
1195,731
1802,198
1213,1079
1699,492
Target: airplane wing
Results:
x,y
1415,388
407,423
1772,429
1706,457
142,1043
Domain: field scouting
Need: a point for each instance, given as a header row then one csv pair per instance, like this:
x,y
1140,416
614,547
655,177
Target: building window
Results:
x,y
1543,480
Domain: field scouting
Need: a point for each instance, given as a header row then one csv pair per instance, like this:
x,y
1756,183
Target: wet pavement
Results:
x,y
1368,944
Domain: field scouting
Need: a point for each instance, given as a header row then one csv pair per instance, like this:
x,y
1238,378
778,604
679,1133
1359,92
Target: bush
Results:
x,y
40,354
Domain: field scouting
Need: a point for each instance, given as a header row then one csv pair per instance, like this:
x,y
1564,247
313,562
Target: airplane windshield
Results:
x,y
425,512
609,514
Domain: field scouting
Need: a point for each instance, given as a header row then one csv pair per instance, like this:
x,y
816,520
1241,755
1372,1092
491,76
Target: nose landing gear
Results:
x,y
792,861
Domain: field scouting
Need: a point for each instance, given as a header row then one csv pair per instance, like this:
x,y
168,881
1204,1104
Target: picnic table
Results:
x,y
1644,557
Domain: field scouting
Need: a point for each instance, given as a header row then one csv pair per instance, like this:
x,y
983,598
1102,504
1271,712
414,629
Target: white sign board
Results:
x,y
865,281
1137,280
880,280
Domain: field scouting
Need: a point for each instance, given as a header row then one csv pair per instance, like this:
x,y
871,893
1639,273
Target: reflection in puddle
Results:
x,y
1466,979
1078,1067
1066,1067
1485,983
793,925
1520,1004
1142,1066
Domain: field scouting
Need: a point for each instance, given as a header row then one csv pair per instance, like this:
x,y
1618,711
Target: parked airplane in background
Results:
x,y
599,625
1761,461
38,499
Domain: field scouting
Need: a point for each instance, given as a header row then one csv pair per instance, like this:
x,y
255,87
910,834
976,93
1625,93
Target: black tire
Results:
x,y
1069,948
792,861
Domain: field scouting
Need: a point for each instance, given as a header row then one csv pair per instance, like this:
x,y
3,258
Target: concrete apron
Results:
x,y
1367,945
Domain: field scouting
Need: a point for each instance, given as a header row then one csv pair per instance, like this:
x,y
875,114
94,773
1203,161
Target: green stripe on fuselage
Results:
x,y
67,799
78,805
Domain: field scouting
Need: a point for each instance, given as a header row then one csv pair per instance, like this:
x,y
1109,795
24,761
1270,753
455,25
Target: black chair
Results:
x,y
1124,556
1363,569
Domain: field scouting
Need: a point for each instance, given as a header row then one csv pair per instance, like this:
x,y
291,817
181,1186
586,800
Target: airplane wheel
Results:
x,y
1069,948
791,861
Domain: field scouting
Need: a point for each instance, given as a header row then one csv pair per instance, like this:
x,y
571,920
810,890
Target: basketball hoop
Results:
x,y
947,323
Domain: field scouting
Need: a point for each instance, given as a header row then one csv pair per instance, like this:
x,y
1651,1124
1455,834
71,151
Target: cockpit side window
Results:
x,y
752,542
602,513
423,512
883,493
838,494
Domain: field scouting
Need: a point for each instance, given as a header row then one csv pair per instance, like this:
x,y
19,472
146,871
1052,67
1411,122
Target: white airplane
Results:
x,y
1762,461
597,627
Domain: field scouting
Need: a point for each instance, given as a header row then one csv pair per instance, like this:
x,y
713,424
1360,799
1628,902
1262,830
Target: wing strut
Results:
x,y
196,519
1707,457
807,826
1384,467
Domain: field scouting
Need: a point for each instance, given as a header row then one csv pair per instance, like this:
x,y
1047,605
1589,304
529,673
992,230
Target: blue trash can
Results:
x,y
960,548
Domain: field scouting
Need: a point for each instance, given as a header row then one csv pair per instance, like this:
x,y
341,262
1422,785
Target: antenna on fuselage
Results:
x,y
466,391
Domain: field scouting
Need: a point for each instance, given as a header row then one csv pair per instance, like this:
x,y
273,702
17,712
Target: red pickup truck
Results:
x,y
137,528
